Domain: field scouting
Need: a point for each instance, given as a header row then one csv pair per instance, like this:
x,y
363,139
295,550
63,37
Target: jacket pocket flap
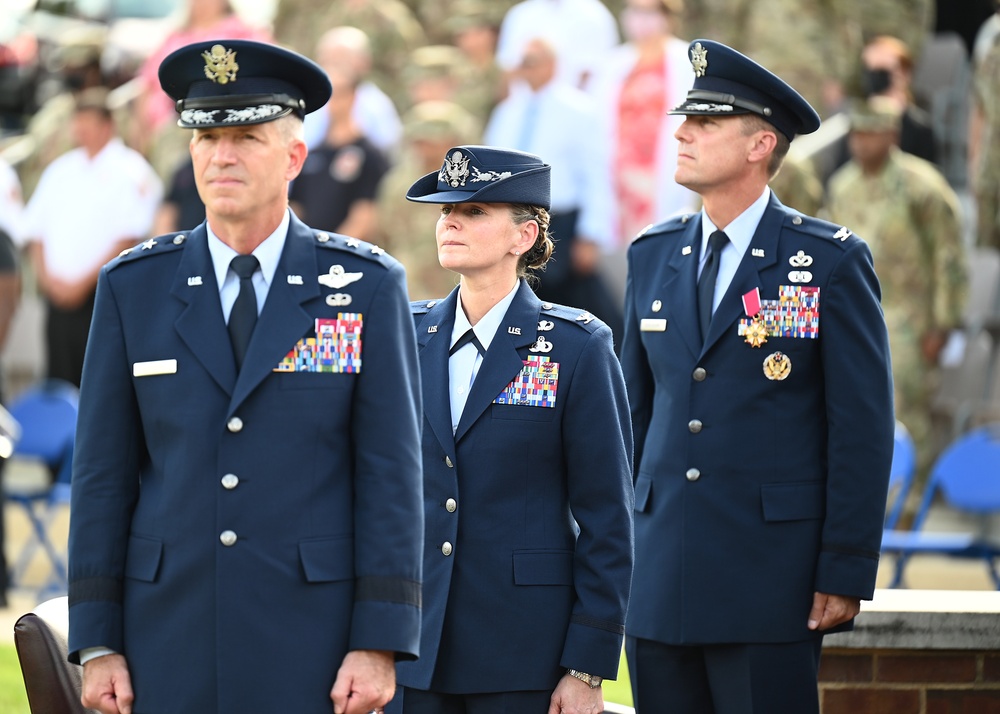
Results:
x,y
142,560
793,501
328,559
543,567
643,490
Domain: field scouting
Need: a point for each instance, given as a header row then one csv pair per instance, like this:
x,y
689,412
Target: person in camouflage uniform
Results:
x,y
473,29
437,15
407,228
797,185
984,147
911,218
813,44
390,25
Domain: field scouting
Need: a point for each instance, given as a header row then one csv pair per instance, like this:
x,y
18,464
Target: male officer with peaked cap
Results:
x,y
246,515
757,364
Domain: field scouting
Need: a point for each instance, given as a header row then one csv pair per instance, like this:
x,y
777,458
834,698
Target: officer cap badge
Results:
x,y
455,170
699,59
220,64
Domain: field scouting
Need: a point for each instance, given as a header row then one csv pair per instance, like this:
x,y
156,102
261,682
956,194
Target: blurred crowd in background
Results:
x,y
908,156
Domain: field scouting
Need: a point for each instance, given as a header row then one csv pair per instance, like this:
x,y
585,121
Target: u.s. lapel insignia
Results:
x,y
843,234
432,330
699,59
194,281
513,330
295,280
545,325
686,250
541,345
338,277
339,300
800,260
657,305
777,366
220,64
757,252
585,317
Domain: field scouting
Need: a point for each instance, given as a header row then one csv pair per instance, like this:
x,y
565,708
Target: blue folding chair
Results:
x,y
904,466
967,476
47,416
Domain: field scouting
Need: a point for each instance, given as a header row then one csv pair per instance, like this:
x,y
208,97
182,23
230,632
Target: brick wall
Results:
x,y
896,681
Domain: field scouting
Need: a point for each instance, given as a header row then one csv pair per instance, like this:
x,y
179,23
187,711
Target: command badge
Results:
x,y
777,366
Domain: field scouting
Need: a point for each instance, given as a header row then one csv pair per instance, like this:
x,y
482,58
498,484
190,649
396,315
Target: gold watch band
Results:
x,y
591,680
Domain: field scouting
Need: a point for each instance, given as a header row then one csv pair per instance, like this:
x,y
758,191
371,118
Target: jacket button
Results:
x,y
446,548
230,481
235,425
693,474
448,462
227,538
451,505
699,374
694,426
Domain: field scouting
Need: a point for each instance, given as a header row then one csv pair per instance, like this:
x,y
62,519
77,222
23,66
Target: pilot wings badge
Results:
x,y
338,277
220,64
455,170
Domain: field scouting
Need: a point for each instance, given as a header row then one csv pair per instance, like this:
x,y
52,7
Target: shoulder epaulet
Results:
x,y
154,246
818,228
422,307
668,226
363,249
584,319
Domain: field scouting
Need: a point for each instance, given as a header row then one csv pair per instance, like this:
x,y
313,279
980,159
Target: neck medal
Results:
x,y
754,331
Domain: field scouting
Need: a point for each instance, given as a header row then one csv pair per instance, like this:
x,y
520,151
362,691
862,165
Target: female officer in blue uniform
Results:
x,y
527,450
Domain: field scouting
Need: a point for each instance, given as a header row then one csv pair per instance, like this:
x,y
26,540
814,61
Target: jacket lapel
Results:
x,y
283,321
682,286
502,362
200,325
747,277
433,337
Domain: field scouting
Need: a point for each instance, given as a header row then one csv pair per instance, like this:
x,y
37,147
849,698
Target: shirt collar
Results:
x,y
268,253
486,329
741,229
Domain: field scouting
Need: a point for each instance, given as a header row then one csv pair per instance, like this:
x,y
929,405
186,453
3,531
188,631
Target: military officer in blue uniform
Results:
x,y
758,374
527,452
246,512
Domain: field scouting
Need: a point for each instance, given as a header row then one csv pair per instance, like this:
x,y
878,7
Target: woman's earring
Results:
x,y
517,252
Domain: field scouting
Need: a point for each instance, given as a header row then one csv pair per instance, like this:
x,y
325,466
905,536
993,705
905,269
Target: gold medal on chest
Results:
x,y
756,333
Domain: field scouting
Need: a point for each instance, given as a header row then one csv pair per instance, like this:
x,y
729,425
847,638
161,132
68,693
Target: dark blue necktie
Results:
x,y
706,283
244,314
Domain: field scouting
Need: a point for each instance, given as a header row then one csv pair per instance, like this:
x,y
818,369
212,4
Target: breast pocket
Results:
x,y
521,412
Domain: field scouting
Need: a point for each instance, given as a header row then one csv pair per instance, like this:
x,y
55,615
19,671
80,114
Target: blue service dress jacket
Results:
x,y
528,506
760,471
234,535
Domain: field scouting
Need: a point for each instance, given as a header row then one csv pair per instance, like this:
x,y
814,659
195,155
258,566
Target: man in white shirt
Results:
x,y
559,122
90,204
581,31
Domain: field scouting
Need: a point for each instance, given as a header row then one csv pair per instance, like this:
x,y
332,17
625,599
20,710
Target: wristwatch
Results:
x,y
591,680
